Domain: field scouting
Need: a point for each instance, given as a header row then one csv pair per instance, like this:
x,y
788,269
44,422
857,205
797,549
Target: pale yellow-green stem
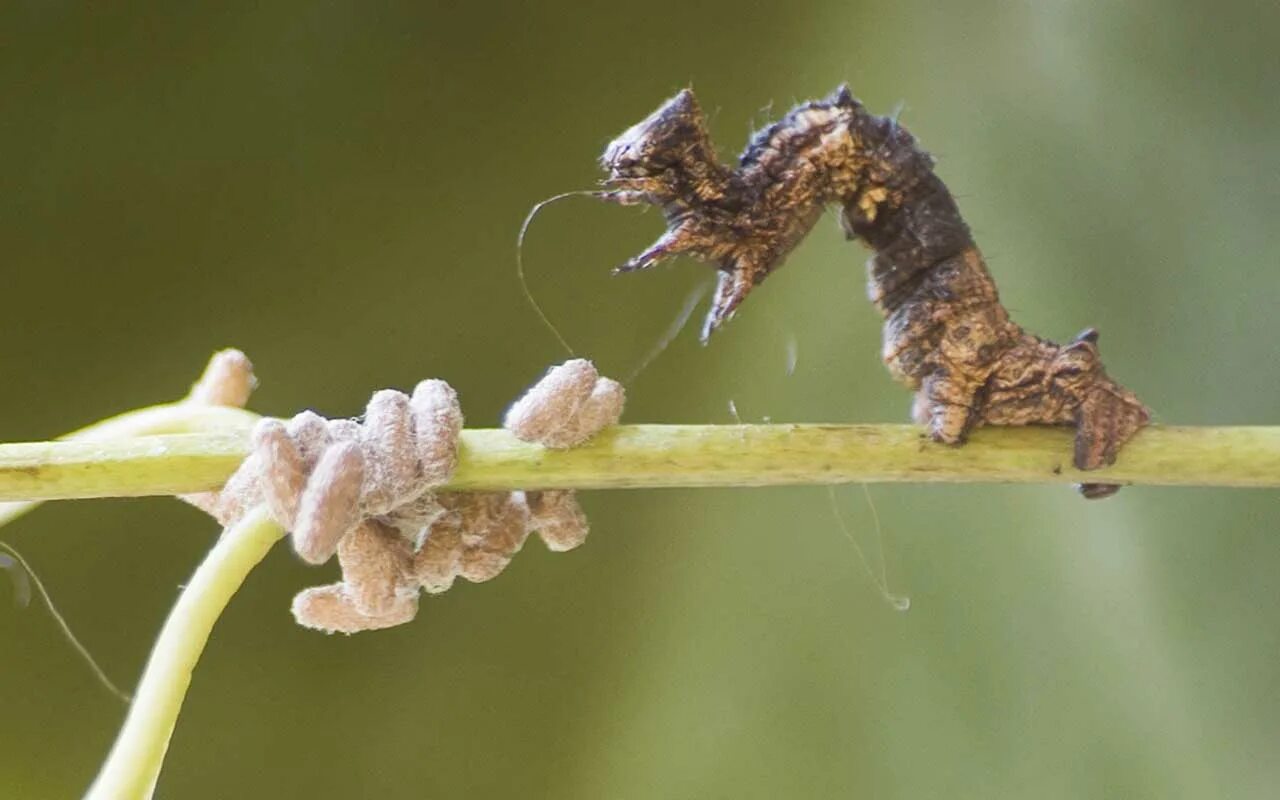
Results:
x,y
94,464
162,419
134,764
132,767
646,456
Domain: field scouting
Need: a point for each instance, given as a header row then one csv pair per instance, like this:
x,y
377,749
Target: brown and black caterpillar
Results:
x,y
946,335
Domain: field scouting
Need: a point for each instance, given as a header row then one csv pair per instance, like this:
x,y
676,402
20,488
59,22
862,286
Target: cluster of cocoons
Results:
x,y
368,491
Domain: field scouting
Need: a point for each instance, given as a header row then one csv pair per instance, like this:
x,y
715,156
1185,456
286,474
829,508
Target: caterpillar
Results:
x,y
946,335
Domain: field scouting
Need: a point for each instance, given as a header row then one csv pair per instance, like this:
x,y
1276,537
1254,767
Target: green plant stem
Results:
x,y
94,464
171,418
647,456
132,767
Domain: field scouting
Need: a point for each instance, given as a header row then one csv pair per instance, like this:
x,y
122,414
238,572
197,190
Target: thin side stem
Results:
x,y
649,456
132,767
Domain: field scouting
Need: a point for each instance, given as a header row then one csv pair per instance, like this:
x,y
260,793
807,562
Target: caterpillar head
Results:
x,y
660,158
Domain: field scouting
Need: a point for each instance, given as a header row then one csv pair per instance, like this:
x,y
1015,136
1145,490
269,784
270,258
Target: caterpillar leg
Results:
x,y
733,287
948,406
670,244
1106,414
1105,421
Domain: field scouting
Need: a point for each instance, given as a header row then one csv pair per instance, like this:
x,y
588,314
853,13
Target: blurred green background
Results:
x,y
336,188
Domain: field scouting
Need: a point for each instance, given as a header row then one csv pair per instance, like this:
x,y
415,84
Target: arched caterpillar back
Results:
x,y
946,336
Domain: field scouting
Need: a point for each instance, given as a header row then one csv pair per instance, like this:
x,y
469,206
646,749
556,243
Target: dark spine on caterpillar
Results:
x,y
946,336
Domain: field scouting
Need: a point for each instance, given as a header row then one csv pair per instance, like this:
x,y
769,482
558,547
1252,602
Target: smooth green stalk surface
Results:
x,y
646,456
134,764
180,417
151,459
